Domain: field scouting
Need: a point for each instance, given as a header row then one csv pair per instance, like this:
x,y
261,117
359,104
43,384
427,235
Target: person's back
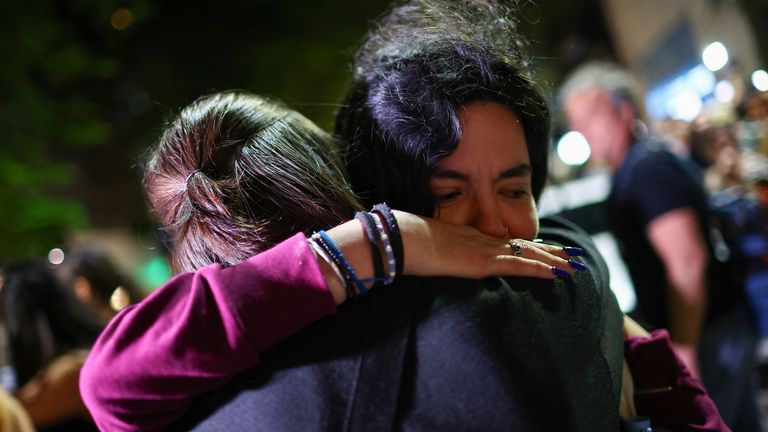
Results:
x,y
442,354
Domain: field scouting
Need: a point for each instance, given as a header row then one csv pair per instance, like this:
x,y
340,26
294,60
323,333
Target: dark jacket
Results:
x,y
443,354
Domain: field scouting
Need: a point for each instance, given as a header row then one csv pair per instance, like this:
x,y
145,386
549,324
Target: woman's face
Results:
x,y
486,181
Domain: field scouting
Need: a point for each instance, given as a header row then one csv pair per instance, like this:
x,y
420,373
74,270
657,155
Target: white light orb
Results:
x,y
573,149
715,56
684,106
56,256
724,91
760,80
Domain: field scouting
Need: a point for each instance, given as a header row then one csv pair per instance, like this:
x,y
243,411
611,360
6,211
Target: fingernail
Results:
x,y
573,251
562,274
577,265
538,241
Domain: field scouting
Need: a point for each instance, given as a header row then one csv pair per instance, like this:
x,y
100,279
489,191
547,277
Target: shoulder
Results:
x,y
652,156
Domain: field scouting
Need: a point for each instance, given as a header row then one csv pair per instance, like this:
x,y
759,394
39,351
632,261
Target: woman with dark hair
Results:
x,y
232,176
48,334
442,97
424,64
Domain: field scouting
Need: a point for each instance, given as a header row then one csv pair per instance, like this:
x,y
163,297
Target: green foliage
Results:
x,y
50,61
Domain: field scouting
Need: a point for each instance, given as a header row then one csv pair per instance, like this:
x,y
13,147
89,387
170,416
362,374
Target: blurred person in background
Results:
x,y
754,122
48,335
714,148
660,213
98,283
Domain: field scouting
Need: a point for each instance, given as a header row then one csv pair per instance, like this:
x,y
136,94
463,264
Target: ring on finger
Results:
x,y
517,247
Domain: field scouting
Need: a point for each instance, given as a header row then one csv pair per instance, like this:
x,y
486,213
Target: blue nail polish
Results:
x,y
562,274
573,251
577,265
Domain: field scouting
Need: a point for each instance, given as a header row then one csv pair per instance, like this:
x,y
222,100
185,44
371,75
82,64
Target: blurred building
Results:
x,y
665,43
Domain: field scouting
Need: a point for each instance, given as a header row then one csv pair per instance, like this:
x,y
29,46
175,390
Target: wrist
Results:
x,y
333,278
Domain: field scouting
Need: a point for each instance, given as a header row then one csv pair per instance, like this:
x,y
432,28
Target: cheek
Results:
x,y
522,222
453,215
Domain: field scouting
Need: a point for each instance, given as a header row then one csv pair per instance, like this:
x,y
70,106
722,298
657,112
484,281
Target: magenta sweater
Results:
x,y
196,332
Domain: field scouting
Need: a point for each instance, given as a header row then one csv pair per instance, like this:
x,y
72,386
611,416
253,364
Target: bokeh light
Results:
x,y
56,256
121,19
685,106
119,299
760,80
724,91
573,149
715,56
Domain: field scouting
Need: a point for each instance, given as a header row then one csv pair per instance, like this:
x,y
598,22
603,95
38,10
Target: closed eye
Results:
x,y
514,193
444,198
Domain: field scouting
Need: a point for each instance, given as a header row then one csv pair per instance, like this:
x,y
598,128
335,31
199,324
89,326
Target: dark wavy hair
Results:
x,y
236,173
41,318
423,61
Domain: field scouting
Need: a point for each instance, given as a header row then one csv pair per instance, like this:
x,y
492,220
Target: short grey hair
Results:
x,y
598,74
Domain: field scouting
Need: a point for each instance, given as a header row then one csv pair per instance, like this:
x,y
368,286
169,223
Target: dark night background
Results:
x,y
81,99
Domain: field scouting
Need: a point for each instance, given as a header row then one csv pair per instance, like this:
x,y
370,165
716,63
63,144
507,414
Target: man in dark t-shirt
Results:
x,y
658,212
649,184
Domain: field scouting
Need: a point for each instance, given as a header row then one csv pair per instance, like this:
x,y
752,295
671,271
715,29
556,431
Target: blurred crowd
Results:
x,y
687,206
727,146
50,316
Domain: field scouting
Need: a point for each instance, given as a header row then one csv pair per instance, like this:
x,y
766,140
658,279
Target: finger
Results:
x,y
566,252
525,267
544,253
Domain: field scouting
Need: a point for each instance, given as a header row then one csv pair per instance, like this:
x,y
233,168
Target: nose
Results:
x,y
486,218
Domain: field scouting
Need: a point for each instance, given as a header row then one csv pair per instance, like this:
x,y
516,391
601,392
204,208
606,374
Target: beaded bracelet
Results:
x,y
387,246
394,234
374,237
324,255
335,253
319,243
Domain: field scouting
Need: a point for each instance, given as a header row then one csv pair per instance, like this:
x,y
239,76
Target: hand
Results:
x,y
434,248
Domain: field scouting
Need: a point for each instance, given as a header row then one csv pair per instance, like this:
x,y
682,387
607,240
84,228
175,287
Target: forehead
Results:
x,y
585,100
492,137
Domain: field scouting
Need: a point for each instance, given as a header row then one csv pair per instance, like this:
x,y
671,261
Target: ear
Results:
x,y
627,114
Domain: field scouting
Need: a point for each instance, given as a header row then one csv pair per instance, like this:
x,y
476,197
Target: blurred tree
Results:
x,y
46,59
86,85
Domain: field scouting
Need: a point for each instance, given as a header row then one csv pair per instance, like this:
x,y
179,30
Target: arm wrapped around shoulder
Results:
x,y
665,390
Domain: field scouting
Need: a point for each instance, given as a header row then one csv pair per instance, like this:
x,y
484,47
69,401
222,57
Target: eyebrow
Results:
x,y
521,170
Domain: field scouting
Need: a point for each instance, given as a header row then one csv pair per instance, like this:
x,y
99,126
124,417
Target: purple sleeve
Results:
x,y
665,390
196,332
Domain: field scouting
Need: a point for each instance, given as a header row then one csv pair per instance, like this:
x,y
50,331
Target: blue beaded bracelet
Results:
x,y
338,257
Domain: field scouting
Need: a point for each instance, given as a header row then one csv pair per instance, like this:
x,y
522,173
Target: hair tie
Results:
x,y
189,176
